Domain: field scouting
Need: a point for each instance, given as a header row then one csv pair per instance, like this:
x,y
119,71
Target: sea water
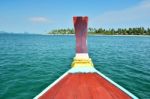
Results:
x,y
29,63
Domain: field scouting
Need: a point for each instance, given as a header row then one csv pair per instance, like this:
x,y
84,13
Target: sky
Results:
x,y
42,16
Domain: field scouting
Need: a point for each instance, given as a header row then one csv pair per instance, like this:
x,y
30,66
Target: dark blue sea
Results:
x,y
29,63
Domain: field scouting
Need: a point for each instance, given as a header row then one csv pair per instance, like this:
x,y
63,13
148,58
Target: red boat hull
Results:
x,y
84,86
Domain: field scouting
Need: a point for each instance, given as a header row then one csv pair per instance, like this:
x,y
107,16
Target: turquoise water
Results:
x,y
29,63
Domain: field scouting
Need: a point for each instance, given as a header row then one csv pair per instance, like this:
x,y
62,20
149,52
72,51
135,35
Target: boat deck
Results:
x,y
84,86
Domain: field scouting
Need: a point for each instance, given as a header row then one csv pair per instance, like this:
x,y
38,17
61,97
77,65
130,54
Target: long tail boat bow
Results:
x,y
83,81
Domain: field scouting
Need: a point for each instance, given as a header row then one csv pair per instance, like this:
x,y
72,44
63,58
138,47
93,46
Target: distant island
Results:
x,y
4,32
101,31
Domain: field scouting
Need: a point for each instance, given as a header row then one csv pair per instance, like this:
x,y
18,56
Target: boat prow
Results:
x,y
83,81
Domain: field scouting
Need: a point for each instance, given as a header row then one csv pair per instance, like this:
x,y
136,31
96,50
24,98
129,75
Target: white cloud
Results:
x,y
39,20
135,13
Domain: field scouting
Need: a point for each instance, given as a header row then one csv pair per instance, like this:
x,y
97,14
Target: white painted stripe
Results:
x,y
120,87
51,85
82,55
82,69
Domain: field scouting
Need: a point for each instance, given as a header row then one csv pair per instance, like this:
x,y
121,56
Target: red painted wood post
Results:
x,y
80,25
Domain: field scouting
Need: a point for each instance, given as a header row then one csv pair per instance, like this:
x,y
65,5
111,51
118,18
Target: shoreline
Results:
x,y
97,35
73,34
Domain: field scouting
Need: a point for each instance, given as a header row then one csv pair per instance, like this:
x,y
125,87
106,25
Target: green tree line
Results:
x,y
101,31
